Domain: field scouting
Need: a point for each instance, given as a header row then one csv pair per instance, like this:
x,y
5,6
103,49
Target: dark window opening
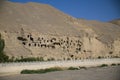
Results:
x,y
75,58
79,49
79,45
51,40
56,43
84,50
67,46
31,39
21,38
23,43
43,45
47,40
28,36
38,44
53,47
99,57
74,44
38,38
76,51
67,42
35,44
110,52
72,56
29,44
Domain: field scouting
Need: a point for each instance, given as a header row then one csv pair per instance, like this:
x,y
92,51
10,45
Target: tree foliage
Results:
x,y
3,57
2,44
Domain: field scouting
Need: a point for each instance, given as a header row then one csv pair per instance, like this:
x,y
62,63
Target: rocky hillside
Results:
x,y
116,21
40,30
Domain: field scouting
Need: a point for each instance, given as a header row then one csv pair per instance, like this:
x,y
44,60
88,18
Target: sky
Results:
x,y
101,10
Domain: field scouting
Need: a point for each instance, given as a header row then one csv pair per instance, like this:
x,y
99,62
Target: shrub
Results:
x,y
41,70
3,57
113,64
82,67
103,65
40,59
27,71
53,69
52,59
29,59
11,59
68,59
73,68
118,64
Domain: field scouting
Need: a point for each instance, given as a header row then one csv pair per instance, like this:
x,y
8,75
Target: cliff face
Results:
x,y
39,30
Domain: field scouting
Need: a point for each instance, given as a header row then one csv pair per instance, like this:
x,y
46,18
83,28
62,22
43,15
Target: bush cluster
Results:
x,y
41,70
28,59
82,67
73,68
113,64
103,65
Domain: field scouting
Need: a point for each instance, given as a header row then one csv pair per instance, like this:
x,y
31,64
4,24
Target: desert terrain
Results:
x,y
40,30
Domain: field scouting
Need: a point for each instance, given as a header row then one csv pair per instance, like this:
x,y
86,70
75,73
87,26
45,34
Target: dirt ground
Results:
x,y
106,73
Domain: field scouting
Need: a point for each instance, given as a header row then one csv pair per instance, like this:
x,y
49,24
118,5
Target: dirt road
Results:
x,y
106,73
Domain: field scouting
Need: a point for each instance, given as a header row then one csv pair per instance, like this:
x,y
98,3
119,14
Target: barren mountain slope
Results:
x,y
39,17
33,29
107,32
116,21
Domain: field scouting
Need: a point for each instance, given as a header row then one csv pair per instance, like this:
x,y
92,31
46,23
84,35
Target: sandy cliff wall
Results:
x,y
58,47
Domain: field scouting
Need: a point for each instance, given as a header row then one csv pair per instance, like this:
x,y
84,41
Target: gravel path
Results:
x,y
106,73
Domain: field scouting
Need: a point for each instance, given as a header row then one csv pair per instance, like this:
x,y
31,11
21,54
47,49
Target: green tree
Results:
x,y
2,44
3,57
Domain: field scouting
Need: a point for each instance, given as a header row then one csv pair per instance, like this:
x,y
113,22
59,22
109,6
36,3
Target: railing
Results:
x,y
55,62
